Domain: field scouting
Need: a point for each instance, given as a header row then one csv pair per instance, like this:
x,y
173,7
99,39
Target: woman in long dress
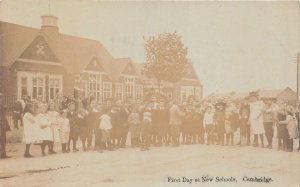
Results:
x,y
30,128
257,108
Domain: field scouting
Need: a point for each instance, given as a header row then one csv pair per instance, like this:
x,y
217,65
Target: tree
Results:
x,y
166,58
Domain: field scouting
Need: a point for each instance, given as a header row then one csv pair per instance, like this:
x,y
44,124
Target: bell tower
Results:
x,y
49,24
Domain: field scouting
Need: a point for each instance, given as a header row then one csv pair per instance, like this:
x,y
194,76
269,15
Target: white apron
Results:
x,y
54,119
30,129
44,133
256,117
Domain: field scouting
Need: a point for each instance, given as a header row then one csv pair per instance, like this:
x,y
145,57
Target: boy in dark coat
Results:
x,y
81,120
17,114
244,127
74,130
219,118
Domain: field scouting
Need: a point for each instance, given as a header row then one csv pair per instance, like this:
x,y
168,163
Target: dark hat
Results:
x,y
220,104
253,94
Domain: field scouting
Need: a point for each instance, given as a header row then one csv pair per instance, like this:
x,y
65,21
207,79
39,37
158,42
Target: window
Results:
x,y
129,90
37,87
197,93
24,86
119,91
191,91
183,94
139,92
129,86
107,90
54,86
94,85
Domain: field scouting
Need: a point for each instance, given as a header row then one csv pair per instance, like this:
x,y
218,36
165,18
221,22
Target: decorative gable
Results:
x,y
95,65
39,50
129,70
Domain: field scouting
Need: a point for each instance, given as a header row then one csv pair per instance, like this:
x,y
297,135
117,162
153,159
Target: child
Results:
x,y
30,128
134,122
74,130
96,114
146,129
281,129
290,129
105,127
244,128
219,119
45,133
82,126
208,123
64,130
229,120
54,117
198,120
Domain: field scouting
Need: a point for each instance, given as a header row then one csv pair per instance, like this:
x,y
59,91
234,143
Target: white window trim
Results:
x,y
117,85
87,90
139,87
133,84
110,94
30,75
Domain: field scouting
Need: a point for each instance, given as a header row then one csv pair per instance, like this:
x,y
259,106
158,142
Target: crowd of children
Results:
x,y
105,126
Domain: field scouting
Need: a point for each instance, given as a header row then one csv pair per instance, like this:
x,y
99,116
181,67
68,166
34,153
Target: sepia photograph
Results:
x,y
149,93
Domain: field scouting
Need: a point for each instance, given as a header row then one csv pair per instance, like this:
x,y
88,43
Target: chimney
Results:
x,y
49,25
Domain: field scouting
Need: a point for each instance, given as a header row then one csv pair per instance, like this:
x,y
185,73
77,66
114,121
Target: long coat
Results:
x,y
4,126
256,117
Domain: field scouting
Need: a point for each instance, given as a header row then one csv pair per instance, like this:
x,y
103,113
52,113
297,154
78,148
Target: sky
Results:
x,y
234,46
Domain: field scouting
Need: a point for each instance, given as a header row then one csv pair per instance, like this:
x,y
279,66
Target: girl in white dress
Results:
x,y
64,130
30,128
45,133
54,119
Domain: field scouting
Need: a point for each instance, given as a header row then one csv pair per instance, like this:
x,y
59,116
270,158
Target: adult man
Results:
x,y
269,116
4,127
257,109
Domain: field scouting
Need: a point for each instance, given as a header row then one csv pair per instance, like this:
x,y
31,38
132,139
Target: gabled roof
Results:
x,y
14,39
262,94
72,51
273,93
39,50
95,65
196,82
75,52
119,65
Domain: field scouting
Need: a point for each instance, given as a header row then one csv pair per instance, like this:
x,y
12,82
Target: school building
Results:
x,y
42,62
286,95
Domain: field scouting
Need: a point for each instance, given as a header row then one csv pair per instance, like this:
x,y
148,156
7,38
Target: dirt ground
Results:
x,y
160,166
